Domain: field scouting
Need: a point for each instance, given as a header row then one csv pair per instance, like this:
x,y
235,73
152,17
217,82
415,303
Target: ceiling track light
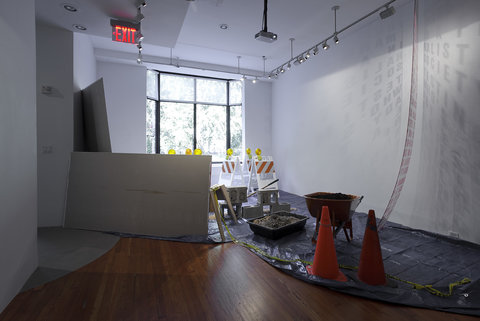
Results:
x,y
335,33
386,11
140,3
389,11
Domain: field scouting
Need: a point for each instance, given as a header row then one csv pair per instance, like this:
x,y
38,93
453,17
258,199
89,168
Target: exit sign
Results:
x,y
123,31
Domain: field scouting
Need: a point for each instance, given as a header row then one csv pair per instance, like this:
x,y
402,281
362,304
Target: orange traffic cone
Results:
x,y
325,262
371,270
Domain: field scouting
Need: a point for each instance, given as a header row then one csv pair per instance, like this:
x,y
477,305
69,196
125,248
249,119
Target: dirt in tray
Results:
x,y
333,196
275,221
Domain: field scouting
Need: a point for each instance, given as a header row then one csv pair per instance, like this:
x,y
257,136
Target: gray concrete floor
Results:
x,y
63,250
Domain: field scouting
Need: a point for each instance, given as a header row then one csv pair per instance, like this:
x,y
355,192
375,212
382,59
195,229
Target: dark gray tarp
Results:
x,y
408,254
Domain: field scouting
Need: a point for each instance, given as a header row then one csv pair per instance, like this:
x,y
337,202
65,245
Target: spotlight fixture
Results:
x,y
307,55
282,70
315,51
299,60
335,8
325,46
139,57
69,7
264,34
389,11
140,3
289,66
223,26
254,80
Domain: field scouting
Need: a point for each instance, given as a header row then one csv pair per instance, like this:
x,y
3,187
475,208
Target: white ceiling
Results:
x,y
190,30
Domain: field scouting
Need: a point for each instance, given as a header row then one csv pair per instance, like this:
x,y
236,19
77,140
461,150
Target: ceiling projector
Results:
x,y
266,36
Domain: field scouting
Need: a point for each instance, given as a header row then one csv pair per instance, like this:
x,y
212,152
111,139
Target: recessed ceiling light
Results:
x,y
79,27
224,26
69,7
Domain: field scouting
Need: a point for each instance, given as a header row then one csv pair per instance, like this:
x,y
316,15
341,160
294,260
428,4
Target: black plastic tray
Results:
x,y
278,232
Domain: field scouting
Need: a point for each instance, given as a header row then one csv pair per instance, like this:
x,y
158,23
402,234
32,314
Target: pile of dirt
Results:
x,y
275,221
333,196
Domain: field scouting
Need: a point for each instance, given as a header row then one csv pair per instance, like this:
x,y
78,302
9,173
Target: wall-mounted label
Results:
x,y
125,32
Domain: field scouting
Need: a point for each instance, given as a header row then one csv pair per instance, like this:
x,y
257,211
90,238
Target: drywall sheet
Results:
x,y
160,195
97,135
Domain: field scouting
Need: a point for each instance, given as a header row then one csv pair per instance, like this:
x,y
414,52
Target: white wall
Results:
x,y
442,190
257,126
84,62
84,73
18,149
125,96
339,120
54,121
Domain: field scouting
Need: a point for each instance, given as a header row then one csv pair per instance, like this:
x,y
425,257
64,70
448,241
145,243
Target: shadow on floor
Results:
x,y
63,250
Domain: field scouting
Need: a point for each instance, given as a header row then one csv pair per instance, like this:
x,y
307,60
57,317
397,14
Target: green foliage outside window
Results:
x,y
193,114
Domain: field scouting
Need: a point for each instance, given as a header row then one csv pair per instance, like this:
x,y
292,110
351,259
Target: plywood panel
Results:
x,y
162,195
97,134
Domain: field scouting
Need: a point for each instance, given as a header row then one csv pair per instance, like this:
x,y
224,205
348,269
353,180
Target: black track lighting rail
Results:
x,y
301,57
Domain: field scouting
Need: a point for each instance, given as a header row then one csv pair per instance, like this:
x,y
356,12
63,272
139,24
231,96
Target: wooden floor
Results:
x,y
142,279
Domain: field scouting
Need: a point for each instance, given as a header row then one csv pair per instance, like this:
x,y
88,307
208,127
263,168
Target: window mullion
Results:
x,y
194,113
157,117
227,112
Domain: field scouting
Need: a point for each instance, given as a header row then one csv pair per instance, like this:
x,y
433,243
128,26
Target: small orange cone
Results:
x,y
371,269
325,262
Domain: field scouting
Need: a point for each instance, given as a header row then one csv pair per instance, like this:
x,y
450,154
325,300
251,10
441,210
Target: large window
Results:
x,y
193,112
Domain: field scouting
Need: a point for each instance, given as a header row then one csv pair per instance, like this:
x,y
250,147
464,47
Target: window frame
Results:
x,y
194,103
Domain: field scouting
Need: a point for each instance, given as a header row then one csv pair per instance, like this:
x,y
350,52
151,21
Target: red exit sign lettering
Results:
x,y
124,32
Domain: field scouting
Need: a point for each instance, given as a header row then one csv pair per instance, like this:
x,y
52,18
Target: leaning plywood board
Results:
x,y
97,135
162,195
